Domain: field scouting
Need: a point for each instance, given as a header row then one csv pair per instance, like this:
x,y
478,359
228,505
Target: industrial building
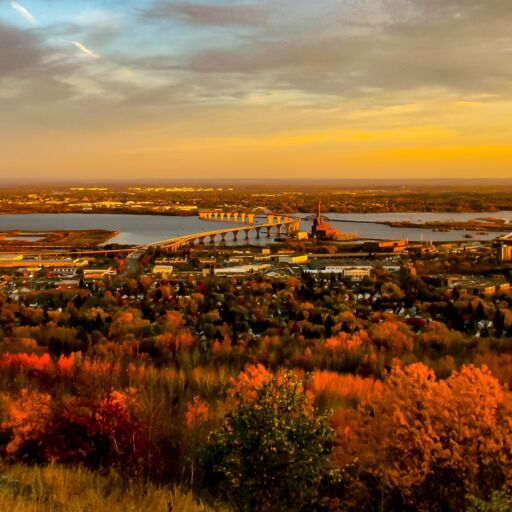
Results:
x,y
354,272
503,247
386,246
321,230
21,261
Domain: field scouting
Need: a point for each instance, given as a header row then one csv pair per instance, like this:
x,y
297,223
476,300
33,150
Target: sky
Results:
x,y
177,89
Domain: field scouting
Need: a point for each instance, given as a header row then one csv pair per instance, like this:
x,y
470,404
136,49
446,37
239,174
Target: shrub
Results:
x,y
271,453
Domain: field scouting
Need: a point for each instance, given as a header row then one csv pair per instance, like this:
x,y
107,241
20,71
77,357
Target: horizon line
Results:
x,y
244,180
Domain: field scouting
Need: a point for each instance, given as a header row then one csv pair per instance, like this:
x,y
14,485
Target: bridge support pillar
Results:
x,y
257,232
235,217
242,217
247,234
223,237
228,216
235,235
270,219
269,229
250,218
279,227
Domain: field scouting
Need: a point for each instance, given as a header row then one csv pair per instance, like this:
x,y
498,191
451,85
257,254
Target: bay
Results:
x,y
144,229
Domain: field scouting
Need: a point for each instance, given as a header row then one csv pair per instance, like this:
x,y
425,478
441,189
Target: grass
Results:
x,y
60,489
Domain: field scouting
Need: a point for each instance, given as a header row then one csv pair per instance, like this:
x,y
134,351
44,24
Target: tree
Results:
x,y
500,501
430,443
271,453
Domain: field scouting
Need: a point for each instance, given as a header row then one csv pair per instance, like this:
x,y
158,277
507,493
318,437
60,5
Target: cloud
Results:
x,y
99,27
24,12
458,45
86,51
327,58
32,73
206,14
20,50
100,18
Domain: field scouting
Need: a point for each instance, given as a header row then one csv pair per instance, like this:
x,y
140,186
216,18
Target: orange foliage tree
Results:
x,y
431,441
25,421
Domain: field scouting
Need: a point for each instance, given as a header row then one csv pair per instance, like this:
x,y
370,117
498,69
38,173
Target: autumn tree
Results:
x,y
431,442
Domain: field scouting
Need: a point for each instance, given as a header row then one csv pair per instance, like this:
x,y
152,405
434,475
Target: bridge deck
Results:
x,y
181,240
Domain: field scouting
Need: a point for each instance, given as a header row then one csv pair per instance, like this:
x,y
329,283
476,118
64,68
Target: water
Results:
x,y
143,229
356,223
420,216
26,238
133,229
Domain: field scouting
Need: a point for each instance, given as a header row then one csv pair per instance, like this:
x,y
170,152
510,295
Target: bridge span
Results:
x,y
244,225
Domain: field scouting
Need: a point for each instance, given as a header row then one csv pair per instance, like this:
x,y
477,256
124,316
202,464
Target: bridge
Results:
x,y
245,223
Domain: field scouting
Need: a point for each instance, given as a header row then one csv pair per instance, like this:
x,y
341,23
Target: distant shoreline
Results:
x,y
310,182
298,214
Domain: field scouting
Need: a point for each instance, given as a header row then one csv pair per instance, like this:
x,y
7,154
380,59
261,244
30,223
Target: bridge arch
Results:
x,y
261,210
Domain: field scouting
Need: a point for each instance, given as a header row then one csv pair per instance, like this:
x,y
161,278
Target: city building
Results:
x,y
98,273
503,247
354,272
239,270
481,285
295,258
21,261
163,270
386,246
321,230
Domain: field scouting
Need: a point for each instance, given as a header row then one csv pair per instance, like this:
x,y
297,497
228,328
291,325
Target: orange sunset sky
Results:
x,y
271,89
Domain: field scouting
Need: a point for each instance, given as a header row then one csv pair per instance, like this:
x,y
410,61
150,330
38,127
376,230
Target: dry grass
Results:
x,y
333,390
58,489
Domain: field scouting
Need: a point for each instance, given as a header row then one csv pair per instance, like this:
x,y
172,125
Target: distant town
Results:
x,y
279,197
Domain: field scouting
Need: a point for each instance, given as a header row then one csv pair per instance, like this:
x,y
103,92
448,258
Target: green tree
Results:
x,y
499,501
271,453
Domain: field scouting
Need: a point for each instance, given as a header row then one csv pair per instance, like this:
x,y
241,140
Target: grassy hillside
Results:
x,y
59,489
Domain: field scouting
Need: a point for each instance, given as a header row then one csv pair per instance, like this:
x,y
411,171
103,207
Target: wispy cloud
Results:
x,y
204,14
86,51
24,12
